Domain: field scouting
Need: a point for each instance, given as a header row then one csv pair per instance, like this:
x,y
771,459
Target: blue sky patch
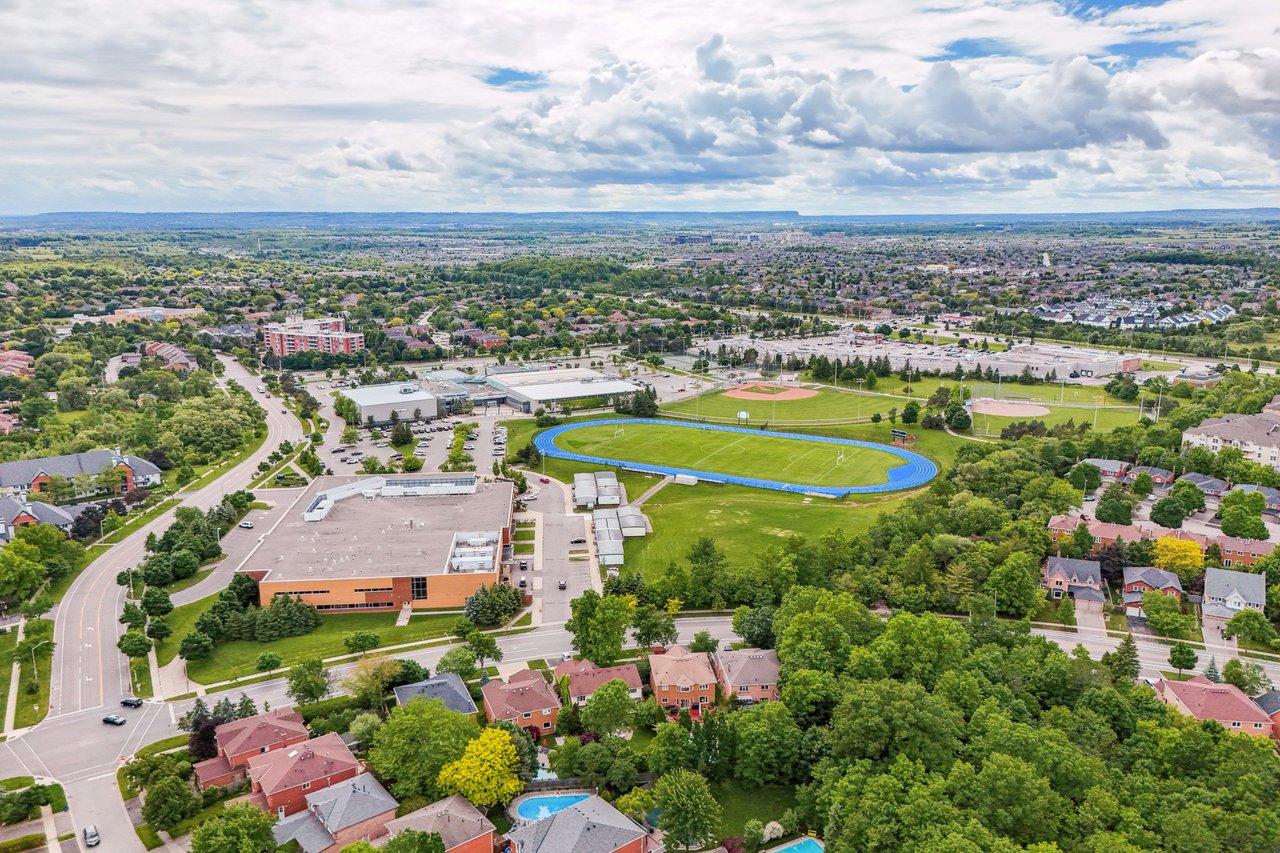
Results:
x,y
1136,51
975,48
513,79
1090,9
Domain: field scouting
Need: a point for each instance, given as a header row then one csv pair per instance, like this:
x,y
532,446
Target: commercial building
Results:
x,y
384,543
407,401
532,389
328,335
596,488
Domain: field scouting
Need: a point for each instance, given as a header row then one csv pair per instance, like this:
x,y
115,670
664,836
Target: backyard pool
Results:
x,y
804,845
539,806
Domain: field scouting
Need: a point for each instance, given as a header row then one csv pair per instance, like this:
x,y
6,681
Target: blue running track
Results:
x,y
915,470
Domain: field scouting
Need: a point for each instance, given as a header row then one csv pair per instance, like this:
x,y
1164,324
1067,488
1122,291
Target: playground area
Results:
x,y
781,461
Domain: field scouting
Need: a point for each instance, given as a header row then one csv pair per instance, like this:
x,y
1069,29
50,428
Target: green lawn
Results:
x,y
1107,419
239,658
521,432
136,521
140,675
827,405
761,455
743,521
742,802
179,585
17,783
31,709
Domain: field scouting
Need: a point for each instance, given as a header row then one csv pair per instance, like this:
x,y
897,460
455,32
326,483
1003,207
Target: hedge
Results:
x,y
25,842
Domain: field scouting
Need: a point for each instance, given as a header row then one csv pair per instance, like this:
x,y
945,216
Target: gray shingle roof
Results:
x,y
1152,577
22,471
1204,482
1222,584
11,508
445,686
1086,571
304,828
351,802
1269,702
591,826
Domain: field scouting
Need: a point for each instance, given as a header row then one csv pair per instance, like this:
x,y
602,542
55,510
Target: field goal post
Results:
x,y
840,456
619,430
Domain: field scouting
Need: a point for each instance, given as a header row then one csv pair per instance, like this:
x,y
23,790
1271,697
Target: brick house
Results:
x,y
748,675
1225,703
589,826
356,810
682,679
282,778
21,476
585,678
1242,553
1269,702
1081,580
1109,467
1139,580
19,512
240,740
1160,476
526,700
460,825
1211,486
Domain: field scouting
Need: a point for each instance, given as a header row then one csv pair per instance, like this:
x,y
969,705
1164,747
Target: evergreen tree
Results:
x,y
1211,671
1123,662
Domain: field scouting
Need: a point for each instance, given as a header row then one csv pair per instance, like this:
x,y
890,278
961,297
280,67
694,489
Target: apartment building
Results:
x,y
327,335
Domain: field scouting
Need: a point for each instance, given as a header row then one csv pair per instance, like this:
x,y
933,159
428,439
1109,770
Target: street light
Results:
x,y
34,669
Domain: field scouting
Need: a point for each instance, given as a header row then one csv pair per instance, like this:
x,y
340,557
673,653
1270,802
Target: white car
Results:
x,y
247,525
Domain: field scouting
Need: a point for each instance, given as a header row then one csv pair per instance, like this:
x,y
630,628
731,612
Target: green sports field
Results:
x,y
827,405
761,455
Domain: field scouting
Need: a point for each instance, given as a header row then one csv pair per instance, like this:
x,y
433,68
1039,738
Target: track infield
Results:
x,y
782,461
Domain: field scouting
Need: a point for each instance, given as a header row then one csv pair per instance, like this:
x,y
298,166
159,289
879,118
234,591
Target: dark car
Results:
x,y
131,702
114,720
578,541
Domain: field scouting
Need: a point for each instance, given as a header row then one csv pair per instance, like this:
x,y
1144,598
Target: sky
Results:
x,y
846,107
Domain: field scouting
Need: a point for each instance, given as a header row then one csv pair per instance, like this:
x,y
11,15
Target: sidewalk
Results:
x,y
15,683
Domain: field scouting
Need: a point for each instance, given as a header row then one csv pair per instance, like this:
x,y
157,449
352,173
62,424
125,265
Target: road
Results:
x,y
90,675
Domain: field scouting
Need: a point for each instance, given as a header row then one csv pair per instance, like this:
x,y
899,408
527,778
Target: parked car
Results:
x,y
524,565
114,720
523,583
284,411
578,541
131,702
396,457
338,450
91,836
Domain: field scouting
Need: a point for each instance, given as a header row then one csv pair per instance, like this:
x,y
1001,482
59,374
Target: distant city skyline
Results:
x,y
859,107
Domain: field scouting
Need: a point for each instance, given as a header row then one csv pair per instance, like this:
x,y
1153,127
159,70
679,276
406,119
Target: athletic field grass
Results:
x,y
827,405
763,456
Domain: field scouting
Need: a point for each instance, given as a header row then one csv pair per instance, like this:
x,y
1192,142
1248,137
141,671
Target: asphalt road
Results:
x,y
90,675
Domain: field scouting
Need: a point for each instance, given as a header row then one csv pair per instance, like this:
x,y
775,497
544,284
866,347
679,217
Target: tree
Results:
x,y
755,626
238,829
1015,585
1180,556
703,643
1250,625
959,419
1066,611
401,434
416,742
1143,485
268,661
486,772
1241,522
1085,476
1169,512
195,646
133,616
653,627
1123,662
460,661
599,625
412,841
309,682
158,629
1189,495
1164,613
484,647
1251,678
610,708
1211,670
370,680
768,744
690,815
527,768
134,644
1115,510
169,801
636,803
156,602
1182,656
359,642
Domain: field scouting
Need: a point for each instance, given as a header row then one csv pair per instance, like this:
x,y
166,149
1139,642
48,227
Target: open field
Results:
x,y
826,405
762,455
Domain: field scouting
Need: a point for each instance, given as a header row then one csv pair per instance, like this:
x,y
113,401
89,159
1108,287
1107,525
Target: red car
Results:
x,y
544,480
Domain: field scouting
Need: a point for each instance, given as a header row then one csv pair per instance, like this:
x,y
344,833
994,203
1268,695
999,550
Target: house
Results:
x,y
21,476
1139,580
240,740
1227,592
355,810
1242,552
526,700
748,675
1109,467
175,357
460,825
682,679
585,678
1269,702
1211,486
19,512
588,826
1271,497
1198,378
1159,476
1079,579
448,687
1225,703
15,362
8,423
282,778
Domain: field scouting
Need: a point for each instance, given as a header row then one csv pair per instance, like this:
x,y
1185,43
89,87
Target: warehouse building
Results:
x,y
385,543
531,389
406,400
596,488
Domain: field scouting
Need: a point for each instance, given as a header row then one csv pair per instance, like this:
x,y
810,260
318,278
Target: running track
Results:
x,y
914,471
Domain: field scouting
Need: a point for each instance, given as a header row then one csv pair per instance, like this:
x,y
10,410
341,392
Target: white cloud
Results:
x,y
227,104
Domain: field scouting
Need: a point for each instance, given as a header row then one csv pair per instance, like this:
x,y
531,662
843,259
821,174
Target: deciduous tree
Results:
x,y
690,815
486,773
416,741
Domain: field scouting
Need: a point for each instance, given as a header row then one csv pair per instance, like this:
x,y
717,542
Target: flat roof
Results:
x,y
546,392
383,536
378,395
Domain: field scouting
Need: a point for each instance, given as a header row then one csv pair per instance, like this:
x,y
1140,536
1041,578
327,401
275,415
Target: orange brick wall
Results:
x,y
443,591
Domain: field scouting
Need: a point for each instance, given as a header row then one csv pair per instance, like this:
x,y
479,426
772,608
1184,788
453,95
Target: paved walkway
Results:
x,y
15,684
652,490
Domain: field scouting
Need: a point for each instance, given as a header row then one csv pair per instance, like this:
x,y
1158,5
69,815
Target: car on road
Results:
x,y
578,541
544,479
524,565
91,836
247,525
114,720
131,702
284,411
523,583
1090,498
563,585
338,450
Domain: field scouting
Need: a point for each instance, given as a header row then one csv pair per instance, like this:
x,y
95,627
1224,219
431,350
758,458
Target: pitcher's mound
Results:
x,y
1007,408
765,391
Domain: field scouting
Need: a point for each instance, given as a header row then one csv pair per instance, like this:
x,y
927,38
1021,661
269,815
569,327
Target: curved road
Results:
x,y
90,675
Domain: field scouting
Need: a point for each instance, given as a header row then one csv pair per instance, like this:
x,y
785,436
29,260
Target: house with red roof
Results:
x,y
283,778
526,700
682,679
747,675
240,740
585,678
1224,703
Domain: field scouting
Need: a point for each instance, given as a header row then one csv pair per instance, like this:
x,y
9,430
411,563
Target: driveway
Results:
x,y
1091,618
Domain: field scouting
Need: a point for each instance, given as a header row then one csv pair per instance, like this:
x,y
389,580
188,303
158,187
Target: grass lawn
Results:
x,y
827,405
761,455
743,802
523,549
239,658
139,520
743,521
140,674
17,783
178,586
32,708
524,535
1107,419
521,432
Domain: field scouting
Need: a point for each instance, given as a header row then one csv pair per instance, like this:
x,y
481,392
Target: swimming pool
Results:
x,y
803,845
545,805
